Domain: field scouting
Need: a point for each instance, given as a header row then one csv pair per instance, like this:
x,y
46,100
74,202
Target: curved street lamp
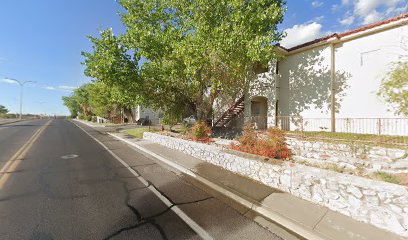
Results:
x,y
21,83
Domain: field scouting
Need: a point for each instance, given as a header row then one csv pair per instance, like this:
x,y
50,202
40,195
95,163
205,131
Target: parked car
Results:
x,y
190,120
143,121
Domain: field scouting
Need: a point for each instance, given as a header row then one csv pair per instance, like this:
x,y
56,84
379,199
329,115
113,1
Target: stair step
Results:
x,y
231,113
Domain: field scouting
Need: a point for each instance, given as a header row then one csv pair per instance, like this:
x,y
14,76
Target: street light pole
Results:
x,y
21,83
21,100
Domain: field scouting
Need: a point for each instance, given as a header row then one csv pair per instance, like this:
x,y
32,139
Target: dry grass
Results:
x,y
387,177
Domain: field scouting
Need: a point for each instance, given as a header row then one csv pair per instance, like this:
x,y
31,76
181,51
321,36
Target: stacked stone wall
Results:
x,y
351,155
382,204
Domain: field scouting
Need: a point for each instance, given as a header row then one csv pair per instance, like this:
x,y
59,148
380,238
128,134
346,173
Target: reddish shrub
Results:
x,y
272,145
249,137
201,132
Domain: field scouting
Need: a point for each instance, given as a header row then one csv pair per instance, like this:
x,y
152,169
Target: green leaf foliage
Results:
x,y
3,110
178,55
394,88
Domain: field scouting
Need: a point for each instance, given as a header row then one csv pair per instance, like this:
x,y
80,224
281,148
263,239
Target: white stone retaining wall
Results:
x,y
351,155
382,204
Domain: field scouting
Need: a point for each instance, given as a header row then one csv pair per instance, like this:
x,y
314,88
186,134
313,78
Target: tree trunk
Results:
x,y
205,105
129,114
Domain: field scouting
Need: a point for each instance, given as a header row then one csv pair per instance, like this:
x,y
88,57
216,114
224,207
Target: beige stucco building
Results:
x,y
349,66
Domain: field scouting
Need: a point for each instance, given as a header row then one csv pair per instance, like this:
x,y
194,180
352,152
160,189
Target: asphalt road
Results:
x,y
59,183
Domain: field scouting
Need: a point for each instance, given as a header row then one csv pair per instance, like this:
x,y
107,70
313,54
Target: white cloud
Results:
x,y
9,81
67,87
369,10
335,7
373,16
62,88
302,33
318,19
347,21
317,4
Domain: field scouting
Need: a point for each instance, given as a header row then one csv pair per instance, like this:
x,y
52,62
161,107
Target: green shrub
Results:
x,y
200,132
185,129
170,120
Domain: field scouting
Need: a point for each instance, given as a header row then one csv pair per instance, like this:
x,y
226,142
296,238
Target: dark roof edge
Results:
x,y
340,35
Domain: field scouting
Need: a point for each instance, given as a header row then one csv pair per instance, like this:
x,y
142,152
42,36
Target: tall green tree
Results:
x,y
111,64
3,110
100,99
78,101
394,88
82,97
72,105
189,50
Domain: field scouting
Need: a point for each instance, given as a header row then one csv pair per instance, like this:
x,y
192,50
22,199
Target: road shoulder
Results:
x,y
283,213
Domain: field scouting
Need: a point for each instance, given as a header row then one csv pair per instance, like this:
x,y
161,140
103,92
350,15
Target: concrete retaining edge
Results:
x,y
255,206
378,203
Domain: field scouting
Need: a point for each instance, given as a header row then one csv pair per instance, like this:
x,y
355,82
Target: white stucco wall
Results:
x,y
360,65
368,59
142,112
303,84
304,87
263,85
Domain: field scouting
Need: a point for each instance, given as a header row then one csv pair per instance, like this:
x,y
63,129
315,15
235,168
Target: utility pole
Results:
x,y
21,83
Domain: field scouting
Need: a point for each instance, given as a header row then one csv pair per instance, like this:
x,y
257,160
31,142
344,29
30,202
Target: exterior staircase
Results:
x,y
231,113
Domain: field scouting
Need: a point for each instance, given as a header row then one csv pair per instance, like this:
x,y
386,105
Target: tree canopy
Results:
x,y
179,55
394,88
3,110
99,99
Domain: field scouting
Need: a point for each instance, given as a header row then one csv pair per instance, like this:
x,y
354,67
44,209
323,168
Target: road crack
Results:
x,y
151,220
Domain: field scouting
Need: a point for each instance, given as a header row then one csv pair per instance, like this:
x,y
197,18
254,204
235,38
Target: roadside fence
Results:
x,y
375,130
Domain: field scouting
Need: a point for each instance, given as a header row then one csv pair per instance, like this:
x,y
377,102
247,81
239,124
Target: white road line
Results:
x,y
276,217
170,163
190,222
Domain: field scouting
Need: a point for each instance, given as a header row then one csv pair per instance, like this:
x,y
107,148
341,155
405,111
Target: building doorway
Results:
x,y
259,112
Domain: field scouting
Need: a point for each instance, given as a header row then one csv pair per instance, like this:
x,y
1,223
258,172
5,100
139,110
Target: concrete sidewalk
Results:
x,y
90,124
270,207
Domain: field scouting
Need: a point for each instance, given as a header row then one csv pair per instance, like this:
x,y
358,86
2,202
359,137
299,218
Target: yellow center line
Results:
x,y
16,159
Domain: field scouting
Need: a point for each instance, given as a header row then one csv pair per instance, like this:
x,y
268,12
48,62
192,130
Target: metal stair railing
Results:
x,y
229,111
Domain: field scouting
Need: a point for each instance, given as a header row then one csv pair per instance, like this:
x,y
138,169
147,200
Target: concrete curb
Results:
x,y
255,206
11,122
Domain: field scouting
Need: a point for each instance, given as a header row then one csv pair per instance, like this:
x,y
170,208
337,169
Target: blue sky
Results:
x,y
42,40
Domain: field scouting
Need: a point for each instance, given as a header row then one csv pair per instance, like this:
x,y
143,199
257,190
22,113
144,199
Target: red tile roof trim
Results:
x,y
340,35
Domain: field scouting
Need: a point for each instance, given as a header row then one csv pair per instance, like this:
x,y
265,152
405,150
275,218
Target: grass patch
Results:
x,y
138,132
110,124
401,179
370,139
386,177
